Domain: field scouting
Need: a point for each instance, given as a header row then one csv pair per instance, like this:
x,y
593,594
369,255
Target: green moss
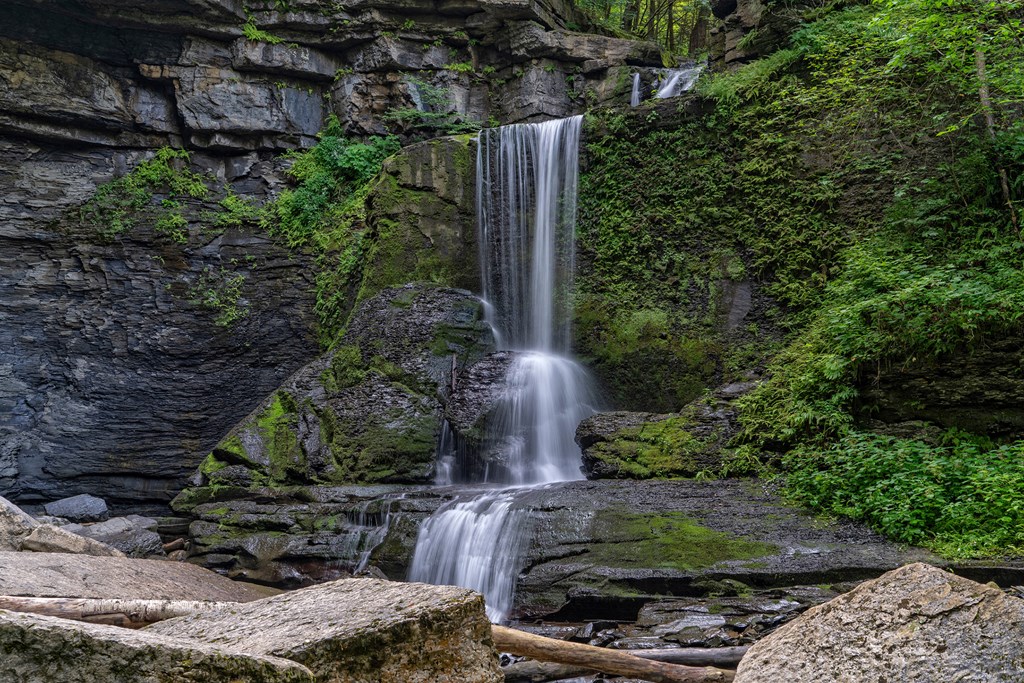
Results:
x,y
667,448
346,369
404,447
117,206
211,464
278,427
667,541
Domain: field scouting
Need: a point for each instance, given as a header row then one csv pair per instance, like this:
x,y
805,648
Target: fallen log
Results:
x,y
723,657
115,612
602,659
530,671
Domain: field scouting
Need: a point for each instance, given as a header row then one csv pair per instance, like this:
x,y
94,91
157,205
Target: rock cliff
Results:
x,y
132,337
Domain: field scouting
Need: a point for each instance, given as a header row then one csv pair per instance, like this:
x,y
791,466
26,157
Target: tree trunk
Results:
x,y
539,672
602,659
115,612
990,125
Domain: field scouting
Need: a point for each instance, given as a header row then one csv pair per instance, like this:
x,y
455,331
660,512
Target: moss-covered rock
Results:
x,y
422,216
666,306
369,411
625,445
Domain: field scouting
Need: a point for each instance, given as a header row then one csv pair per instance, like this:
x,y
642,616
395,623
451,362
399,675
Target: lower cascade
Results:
x,y
526,216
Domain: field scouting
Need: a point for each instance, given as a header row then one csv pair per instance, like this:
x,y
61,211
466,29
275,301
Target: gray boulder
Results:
x,y
360,631
38,648
367,412
51,539
133,535
15,525
916,623
80,508
57,575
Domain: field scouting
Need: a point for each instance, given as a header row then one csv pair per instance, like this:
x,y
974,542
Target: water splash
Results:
x,y
527,176
675,82
475,543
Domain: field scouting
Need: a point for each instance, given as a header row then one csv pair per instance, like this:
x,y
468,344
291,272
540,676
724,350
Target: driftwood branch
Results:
x,y
602,659
116,612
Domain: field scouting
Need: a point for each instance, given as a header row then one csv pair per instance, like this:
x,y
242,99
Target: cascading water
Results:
x,y
634,96
526,211
677,81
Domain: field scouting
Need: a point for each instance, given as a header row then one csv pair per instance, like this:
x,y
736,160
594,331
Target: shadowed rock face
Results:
x,y
112,380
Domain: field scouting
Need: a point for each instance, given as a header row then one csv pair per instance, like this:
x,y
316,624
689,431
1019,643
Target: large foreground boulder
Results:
x,y
359,631
36,648
916,623
62,575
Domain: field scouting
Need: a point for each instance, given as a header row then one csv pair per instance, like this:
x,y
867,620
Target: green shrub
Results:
x,y
962,498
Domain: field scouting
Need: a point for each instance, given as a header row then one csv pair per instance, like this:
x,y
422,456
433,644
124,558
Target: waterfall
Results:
x,y
677,81
634,96
526,218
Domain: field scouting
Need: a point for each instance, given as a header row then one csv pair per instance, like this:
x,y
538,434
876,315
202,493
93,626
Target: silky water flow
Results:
x,y
526,217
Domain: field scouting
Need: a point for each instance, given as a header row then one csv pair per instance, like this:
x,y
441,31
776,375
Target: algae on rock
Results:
x,y
368,411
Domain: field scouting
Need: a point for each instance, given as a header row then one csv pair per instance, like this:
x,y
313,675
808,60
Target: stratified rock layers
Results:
x,y
115,378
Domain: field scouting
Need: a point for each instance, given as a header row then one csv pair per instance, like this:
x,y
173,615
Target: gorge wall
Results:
x,y
127,353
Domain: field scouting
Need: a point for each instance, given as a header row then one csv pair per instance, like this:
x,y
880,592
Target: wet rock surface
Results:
x,y
604,549
359,630
367,412
633,445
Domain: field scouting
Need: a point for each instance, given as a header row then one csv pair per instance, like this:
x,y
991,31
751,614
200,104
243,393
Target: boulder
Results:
x,y
38,648
51,539
15,525
134,535
58,575
80,508
367,412
916,623
359,631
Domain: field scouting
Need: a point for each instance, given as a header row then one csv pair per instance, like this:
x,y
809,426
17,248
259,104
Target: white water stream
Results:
x,y
674,82
526,212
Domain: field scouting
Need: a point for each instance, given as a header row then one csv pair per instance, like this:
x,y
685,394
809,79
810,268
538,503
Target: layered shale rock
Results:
x,y
127,353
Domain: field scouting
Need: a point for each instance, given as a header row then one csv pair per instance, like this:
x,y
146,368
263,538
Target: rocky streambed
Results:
x,y
598,550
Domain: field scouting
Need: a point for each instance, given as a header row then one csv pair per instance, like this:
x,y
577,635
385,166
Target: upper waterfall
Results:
x,y
527,176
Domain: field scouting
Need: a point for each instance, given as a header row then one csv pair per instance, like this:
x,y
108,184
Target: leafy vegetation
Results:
x,y
220,290
963,497
325,212
116,206
436,116
869,178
